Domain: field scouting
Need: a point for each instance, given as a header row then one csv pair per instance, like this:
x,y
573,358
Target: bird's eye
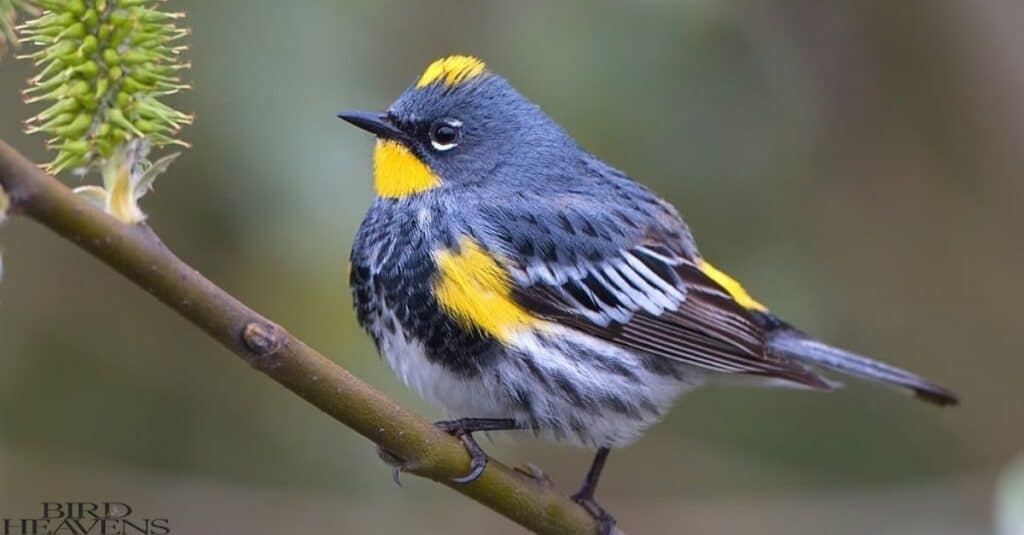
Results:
x,y
444,135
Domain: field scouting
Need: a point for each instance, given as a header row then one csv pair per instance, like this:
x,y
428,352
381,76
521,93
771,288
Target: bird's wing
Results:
x,y
637,287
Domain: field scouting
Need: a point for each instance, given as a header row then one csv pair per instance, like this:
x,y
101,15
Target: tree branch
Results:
x,y
136,252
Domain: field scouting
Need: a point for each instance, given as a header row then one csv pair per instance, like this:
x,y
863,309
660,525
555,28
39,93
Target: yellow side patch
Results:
x,y
477,291
397,172
452,70
732,286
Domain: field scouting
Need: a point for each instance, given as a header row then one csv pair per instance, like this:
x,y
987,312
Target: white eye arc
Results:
x,y
445,134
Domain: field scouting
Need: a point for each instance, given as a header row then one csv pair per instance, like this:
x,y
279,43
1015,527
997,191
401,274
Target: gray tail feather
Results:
x,y
797,346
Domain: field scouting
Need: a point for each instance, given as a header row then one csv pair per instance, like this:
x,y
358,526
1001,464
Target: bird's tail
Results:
x,y
793,344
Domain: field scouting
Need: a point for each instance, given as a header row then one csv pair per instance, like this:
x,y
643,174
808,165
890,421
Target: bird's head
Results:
x,y
459,124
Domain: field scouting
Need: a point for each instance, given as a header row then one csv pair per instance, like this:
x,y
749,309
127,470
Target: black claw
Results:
x,y
606,520
472,476
477,457
395,462
463,429
396,475
476,468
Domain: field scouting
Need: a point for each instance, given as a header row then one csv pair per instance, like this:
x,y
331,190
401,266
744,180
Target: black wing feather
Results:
x,y
622,300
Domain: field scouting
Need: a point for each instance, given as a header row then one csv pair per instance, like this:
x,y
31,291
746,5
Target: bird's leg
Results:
x,y
463,429
585,496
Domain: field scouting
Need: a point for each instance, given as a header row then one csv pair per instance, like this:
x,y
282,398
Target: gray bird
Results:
x,y
521,283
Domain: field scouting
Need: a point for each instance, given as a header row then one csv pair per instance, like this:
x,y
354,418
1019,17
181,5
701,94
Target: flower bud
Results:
x,y
98,60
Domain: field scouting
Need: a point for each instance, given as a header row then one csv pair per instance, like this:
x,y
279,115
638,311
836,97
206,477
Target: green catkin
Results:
x,y
103,65
8,14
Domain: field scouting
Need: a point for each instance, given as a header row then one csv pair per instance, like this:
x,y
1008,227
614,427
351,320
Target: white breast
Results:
x,y
460,397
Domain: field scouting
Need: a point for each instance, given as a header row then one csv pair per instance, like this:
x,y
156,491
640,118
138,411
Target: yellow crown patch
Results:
x,y
452,71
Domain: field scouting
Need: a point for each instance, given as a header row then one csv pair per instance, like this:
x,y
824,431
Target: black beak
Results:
x,y
374,123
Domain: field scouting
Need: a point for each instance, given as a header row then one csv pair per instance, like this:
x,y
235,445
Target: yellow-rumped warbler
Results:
x,y
519,282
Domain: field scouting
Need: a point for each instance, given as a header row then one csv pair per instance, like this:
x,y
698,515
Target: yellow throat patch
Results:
x,y
397,172
452,71
477,291
730,285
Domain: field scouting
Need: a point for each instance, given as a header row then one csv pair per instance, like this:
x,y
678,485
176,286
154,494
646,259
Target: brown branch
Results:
x,y
138,254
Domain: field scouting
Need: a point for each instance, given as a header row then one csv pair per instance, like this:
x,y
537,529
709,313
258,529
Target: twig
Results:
x,y
136,252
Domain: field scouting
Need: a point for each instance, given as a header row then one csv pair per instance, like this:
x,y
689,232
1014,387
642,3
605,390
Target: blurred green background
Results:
x,y
858,164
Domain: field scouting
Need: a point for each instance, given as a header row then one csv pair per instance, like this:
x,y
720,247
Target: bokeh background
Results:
x,y
858,164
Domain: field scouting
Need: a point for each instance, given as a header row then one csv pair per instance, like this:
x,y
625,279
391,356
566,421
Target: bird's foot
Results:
x,y
606,520
463,429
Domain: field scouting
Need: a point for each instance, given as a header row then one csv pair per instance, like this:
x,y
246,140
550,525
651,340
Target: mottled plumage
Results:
x,y
505,273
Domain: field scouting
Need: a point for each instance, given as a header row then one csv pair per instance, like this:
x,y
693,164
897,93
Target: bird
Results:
x,y
521,283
